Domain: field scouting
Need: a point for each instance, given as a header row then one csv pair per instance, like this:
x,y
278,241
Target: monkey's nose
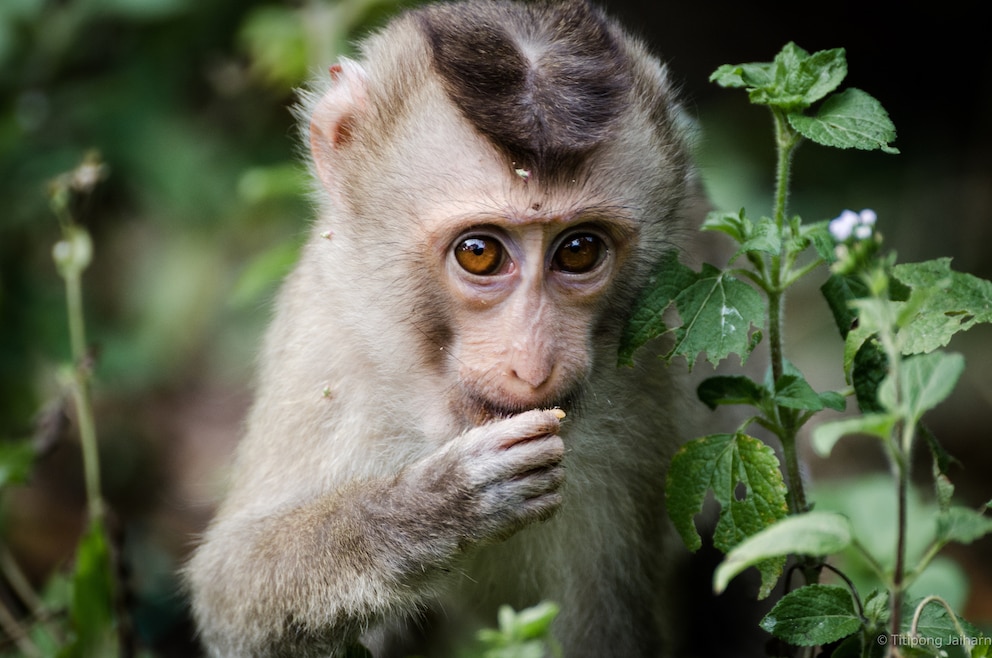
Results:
x,y
534,375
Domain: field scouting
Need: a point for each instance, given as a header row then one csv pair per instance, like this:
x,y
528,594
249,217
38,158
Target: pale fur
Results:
x,y
337,524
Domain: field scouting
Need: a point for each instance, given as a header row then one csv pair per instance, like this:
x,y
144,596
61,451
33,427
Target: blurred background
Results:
x,y
204,206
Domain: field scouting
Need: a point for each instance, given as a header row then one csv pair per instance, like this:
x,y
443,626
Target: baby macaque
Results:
x,y
440,424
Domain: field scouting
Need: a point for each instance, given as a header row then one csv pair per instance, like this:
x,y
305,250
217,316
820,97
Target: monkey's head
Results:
x,y
504,185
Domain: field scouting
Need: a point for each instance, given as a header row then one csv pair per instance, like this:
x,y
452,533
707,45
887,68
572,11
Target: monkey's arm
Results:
x,y
307,579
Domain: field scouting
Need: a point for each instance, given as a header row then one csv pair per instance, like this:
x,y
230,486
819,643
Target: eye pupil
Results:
x,y
479,255
579,254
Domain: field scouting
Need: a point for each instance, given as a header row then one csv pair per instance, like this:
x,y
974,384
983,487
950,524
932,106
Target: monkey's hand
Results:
x,y
373,546
497,478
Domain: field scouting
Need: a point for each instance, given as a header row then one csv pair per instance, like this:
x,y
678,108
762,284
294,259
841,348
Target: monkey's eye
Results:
x,y
579,253
480,255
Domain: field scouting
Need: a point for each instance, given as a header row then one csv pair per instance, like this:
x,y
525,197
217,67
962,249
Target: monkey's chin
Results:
x,y
478,409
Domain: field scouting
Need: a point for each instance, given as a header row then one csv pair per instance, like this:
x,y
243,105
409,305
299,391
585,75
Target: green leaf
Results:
x,y
717,313
960,302
794,392
819,74
795,80
868,368
818,234
731,224
722,463
825,436
731,389
761,236
833,400
850,119
840,291
535,622
648,320
92,605
935,623
813,615
736,76
812,533
925,381
524,634
962,525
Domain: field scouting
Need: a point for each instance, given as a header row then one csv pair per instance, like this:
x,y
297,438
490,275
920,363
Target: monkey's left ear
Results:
x,y
334,116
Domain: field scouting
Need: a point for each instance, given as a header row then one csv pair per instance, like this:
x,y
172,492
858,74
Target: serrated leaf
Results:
x,y
800,79
961,301
813,615
717,313
720,463
819,74
812,533
825,436
730,389
849,119
962,525
648,320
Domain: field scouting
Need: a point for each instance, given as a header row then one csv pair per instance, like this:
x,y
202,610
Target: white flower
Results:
x,y
851,223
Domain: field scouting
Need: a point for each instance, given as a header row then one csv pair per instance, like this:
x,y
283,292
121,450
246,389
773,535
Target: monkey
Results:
x,y
440,425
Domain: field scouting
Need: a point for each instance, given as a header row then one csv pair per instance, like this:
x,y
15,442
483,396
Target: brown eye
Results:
x,y
579,253
480,255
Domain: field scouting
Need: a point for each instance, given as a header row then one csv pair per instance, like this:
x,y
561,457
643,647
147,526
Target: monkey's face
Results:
x,y
513,283
525,292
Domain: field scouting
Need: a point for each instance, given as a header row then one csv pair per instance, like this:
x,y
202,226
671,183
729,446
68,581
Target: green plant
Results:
x,y
523,634
893,318
88,596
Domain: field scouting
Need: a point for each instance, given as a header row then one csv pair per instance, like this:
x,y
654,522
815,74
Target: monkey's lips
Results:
x,y
479,410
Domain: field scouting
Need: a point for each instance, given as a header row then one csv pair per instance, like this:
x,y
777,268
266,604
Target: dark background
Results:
x,y
203,209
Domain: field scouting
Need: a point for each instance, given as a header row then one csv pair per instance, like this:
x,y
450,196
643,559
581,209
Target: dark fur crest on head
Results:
x,y
544,82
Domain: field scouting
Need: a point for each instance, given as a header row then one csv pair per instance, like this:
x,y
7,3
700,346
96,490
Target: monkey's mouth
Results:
x,y
479,409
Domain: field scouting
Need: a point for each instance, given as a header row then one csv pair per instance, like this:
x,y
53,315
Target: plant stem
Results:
x,y
786,140
898,588
81,392
901,466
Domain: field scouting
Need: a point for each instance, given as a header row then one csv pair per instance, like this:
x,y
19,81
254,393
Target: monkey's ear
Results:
x,y
334,115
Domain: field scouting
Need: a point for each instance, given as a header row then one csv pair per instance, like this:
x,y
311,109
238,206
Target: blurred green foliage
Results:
x,y
201,213
187,103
